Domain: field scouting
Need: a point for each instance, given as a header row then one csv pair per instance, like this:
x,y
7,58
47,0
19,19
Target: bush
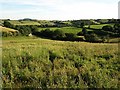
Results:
x,y
107,28
70,36
58,34
84,31
47,33
7,24
24,30
117,28
92,38
80,33
6,34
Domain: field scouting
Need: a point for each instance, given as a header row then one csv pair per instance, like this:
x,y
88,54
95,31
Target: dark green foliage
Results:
x,y
46,33
58,34
107,28
7,24
82,24
84,31
106,57
70,36
52,56
6,34
75,23
92,38
80,33
117,28
34,28
60,24
25,30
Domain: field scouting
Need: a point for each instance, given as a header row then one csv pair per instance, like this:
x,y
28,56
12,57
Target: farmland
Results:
x,y
65,29
39,62
4,29
99,26
16,22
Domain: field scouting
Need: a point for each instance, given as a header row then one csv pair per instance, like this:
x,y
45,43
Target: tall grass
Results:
x,y
42,63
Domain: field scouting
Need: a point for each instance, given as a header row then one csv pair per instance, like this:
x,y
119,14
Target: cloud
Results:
x,y
59,9
32,2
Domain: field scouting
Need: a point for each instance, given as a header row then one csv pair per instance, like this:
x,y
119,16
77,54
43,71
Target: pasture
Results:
x,y
16,22
65,29
99,26
4,29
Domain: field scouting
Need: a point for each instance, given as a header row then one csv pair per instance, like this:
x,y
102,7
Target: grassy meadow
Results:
x,y
42,63
99,26
16,22
4,29
64,29
36,62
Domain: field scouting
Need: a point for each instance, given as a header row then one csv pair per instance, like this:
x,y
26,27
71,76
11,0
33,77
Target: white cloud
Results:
x,y
62,9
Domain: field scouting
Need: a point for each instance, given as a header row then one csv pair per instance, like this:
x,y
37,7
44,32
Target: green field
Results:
x,y
16,22
66,29
99,26
36,62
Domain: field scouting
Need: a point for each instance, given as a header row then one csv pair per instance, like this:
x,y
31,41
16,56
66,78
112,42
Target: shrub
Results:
x,y
6,34
84,31
117,28
58,34
47,33
107,28
80,33
70,36
92,38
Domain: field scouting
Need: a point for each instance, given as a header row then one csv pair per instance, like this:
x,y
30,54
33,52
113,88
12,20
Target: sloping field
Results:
x,y
4,29
99,26
42,63
16,22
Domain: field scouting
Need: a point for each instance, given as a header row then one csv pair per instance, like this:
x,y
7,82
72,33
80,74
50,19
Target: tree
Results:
x,y
7,24
47,33
92,38
107,28
80,33
76,23
34,28
84,31
82,24
58,34
117,28
70,36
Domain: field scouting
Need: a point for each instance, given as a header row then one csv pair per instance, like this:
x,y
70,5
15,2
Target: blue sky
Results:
x,y
58,9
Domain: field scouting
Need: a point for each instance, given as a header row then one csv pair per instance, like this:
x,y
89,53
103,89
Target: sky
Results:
x,y
59,9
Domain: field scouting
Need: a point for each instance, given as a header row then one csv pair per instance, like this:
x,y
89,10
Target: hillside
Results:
x,y
5,29
8,31
30,62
